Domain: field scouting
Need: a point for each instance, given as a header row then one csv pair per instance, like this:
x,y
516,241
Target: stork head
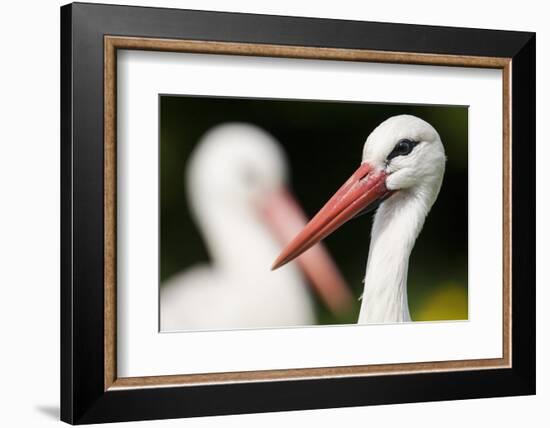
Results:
x,y
403,154
238,171
407,151
235,166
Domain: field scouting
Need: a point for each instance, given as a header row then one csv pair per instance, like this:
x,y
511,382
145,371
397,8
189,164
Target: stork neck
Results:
x,y
396,226
230,234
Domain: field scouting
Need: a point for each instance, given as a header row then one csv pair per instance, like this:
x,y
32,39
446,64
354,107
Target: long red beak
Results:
x,y
285,218
364,188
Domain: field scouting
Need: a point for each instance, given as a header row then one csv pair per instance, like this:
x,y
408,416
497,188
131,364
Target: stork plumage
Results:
x,y
402,170
236,190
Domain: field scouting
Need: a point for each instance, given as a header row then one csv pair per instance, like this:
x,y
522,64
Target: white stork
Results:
x,y
401,173
236,189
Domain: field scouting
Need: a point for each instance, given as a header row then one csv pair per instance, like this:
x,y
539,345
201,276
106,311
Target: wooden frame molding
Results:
x,y
113,43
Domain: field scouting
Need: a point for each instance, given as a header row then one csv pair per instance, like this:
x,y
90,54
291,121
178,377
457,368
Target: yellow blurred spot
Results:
x,y
448,302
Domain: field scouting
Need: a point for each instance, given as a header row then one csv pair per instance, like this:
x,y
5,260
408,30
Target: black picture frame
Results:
x,y
83,396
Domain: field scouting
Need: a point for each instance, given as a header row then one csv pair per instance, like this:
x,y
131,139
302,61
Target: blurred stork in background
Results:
x,y
236,189
400,174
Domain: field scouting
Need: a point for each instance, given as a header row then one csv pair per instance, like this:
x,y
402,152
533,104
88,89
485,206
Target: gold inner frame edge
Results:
x,y
113,43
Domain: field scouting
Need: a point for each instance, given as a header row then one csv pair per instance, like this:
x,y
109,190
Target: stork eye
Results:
x,y
402,148
250,177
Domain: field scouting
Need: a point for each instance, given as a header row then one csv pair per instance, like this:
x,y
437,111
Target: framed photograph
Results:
x,y
265,213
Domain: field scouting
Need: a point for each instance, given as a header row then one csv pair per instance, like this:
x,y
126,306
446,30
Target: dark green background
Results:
x,y
323,142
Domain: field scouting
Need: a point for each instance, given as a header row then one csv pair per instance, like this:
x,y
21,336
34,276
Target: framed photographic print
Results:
x,y
265,213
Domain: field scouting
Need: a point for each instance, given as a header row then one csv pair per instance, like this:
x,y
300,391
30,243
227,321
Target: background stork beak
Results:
x,y
364,188
285,217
